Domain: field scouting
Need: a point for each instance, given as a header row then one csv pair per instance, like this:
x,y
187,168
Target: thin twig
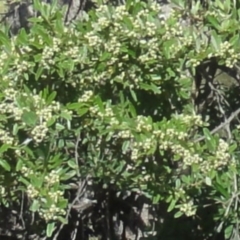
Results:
x,y
21,212
222,125
79,194
77,155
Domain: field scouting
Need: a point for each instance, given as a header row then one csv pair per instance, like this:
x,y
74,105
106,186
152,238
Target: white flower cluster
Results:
x,y
165,145
3,57
113,45
56,44
10,94
172,31
226,51
48,53
120,12
22,66
32,192
26,49
135,154
39,132
103,22
148,143
45,113
93,39
211,13
86,96
108,112
221,158
52,178
152,51
222,155
114,121
195,120
26,171
98,78
180,192
11,108
102,9
125,134
188,209
155,6
188,157
47,57
5,137
55,195
173,134
52,213
224,48
2,192
151,28
73,51
142,124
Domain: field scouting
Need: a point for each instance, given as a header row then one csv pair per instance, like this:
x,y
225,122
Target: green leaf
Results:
x,y
50,229
207,133
132,110
50,122
172,205
51,97
208,181
228,231
30,118
234,40
39,72
5,165
74,106
133,94
24,181
128,22
221,189
59,127
99,102
35,206
37,5
4,148
61,143
36,181
15,129
69,175
156,199
178,214
151,87
19,165
62,203
22,37
66,115
215,40
214,22
5,41
72,164
178,183
105,56
62,219
125,146
82,111
232,148
169,199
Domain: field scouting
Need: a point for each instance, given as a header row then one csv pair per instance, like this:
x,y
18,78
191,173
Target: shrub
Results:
x,y
115,100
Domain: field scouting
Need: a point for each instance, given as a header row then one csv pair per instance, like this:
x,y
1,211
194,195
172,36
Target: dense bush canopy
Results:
x,y
120,108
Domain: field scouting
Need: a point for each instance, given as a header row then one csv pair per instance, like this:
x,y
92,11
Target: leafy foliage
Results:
x,y
116,99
